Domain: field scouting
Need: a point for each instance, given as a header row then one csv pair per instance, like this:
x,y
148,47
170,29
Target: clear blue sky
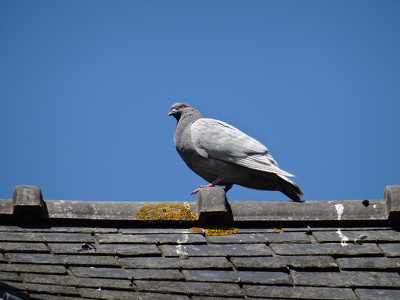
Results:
x,y
85,88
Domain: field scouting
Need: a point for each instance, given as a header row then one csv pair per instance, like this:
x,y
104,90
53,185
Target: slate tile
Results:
x,y
205,263
9,276
162,286
346,279
250,238
33,258
23,247
42,296
100,272
215,289
371,263
88,230
149,262
151,238
194,238
216,250
129,295
73,248
219,298
33,268
326,249
280,262
104,283
312,262
287,237
211,275
391,249
368,235
11,286
49,279
51,288
165,274
264,277
155,231
20,237
2,258
172,262
289,292
88,260
112,249
381,294
248,263
66,237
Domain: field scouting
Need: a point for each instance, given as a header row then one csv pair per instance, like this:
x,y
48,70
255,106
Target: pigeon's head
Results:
x,y
178,109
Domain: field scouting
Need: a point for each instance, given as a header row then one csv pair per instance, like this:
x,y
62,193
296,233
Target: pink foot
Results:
x,y
212,184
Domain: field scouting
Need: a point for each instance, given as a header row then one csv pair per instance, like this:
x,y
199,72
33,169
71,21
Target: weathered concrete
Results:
x,y
210,206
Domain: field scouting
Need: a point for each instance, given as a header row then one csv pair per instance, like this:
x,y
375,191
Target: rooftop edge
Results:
x,y
211,205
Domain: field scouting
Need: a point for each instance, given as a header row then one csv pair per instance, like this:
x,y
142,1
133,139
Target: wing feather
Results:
x,y
219,140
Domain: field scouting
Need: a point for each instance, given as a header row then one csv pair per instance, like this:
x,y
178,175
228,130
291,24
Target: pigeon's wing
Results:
x,y
219,140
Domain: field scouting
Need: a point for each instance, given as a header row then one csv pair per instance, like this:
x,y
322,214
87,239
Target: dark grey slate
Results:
x,y
358,235
346,279
88,260
9,276
139,274
211,275
326,249
251,238
162,286
249,263
104,283
261,277
66,237
319,262
51,288
374,294
215,289
279,262
155,231
289,292
33,258
20,237
149,262
33,268
207,263
100,272
391,249
50,279
112,249
217,250
23,247
371,263
128,295
287,237
184,238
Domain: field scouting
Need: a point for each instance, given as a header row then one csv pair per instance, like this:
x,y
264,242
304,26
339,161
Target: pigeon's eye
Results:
x,y
182,106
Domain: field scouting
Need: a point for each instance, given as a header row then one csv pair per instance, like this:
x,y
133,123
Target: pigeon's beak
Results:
x,y
172,112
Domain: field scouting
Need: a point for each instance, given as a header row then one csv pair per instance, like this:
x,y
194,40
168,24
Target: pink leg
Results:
x,y
212,184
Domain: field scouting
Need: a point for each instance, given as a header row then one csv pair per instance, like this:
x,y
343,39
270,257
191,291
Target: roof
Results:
x,y
206,249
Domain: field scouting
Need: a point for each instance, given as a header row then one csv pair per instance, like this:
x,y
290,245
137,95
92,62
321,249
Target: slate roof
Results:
x,y
55,249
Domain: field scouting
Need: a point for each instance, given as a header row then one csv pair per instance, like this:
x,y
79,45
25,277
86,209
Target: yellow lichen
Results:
x,y
215,230
163,211
278,229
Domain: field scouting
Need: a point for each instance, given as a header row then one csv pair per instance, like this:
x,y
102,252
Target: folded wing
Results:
x,y
219,140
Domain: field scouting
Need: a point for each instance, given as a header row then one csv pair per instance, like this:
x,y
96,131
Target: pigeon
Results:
x,y
223,155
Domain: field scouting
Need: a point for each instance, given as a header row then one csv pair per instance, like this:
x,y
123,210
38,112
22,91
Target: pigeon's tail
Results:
x,y
290,189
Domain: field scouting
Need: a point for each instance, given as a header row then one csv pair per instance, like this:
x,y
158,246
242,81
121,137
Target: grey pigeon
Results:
x,y
224,155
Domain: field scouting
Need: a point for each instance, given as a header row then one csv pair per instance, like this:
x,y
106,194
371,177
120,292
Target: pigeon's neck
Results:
x,y
189,117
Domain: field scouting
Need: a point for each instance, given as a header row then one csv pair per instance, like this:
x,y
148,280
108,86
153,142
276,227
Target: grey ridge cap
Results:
x,y
211,204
